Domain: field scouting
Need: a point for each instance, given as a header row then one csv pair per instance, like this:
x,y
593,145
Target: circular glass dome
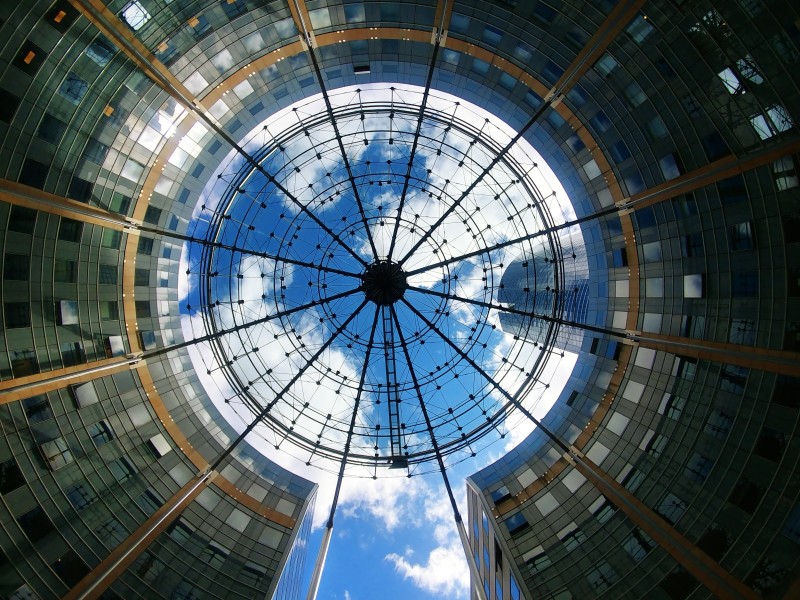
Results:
x,y
381,287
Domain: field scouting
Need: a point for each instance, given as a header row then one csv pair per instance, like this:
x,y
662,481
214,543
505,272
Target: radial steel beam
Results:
x,y
705,569
30,385
316,576
438,35
30,197
304,25
19,388
709,174
112,566
597,44
392,393
462,534
110,25
99,579
764,359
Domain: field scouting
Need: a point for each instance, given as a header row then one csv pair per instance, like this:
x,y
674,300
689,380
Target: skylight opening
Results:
x,y
335,319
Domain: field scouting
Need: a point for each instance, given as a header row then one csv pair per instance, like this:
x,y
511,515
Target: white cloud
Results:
x,y
445,574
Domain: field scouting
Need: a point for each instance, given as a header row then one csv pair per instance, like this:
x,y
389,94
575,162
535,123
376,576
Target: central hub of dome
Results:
x,y
384,282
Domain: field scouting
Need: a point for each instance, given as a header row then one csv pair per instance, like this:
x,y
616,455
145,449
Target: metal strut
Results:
x,y
462,534
316,577
398,459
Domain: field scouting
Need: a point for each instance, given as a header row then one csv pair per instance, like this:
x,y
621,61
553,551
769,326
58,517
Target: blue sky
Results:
x,y
395,535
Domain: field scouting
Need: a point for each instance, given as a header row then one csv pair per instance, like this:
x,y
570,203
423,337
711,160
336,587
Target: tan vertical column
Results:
x,y
103,575
763,359
12,390
711,173
107,22
31,197
704,568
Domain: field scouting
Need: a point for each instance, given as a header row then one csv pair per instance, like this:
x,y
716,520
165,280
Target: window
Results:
x,y
70,568
516,523
770,444
602,576
718,424
671,508
147,566
81,496
10,476
37,409
122,469
65,271
791,526
152,215
693,286
34,173
150,501
715,542
670,165
691,105
22,219
742,331
692,245
766,576
16,267
657,128
101,51
539,562
109,310
651,252
775,120
142,277
51,129
111,239
645,217
17,314
785,172
741,236
251,574
638,545
186,591
693,326
500,494
573,539
635,94
606,64
142,308
605,511
674,407
72,354
145,246
679,584
36,524
107,274
698,468
111,533
119,204
744,284
73,88
180,531
69,230
731,82
134,15
640,29
100,433
56,453
24,362
746,495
